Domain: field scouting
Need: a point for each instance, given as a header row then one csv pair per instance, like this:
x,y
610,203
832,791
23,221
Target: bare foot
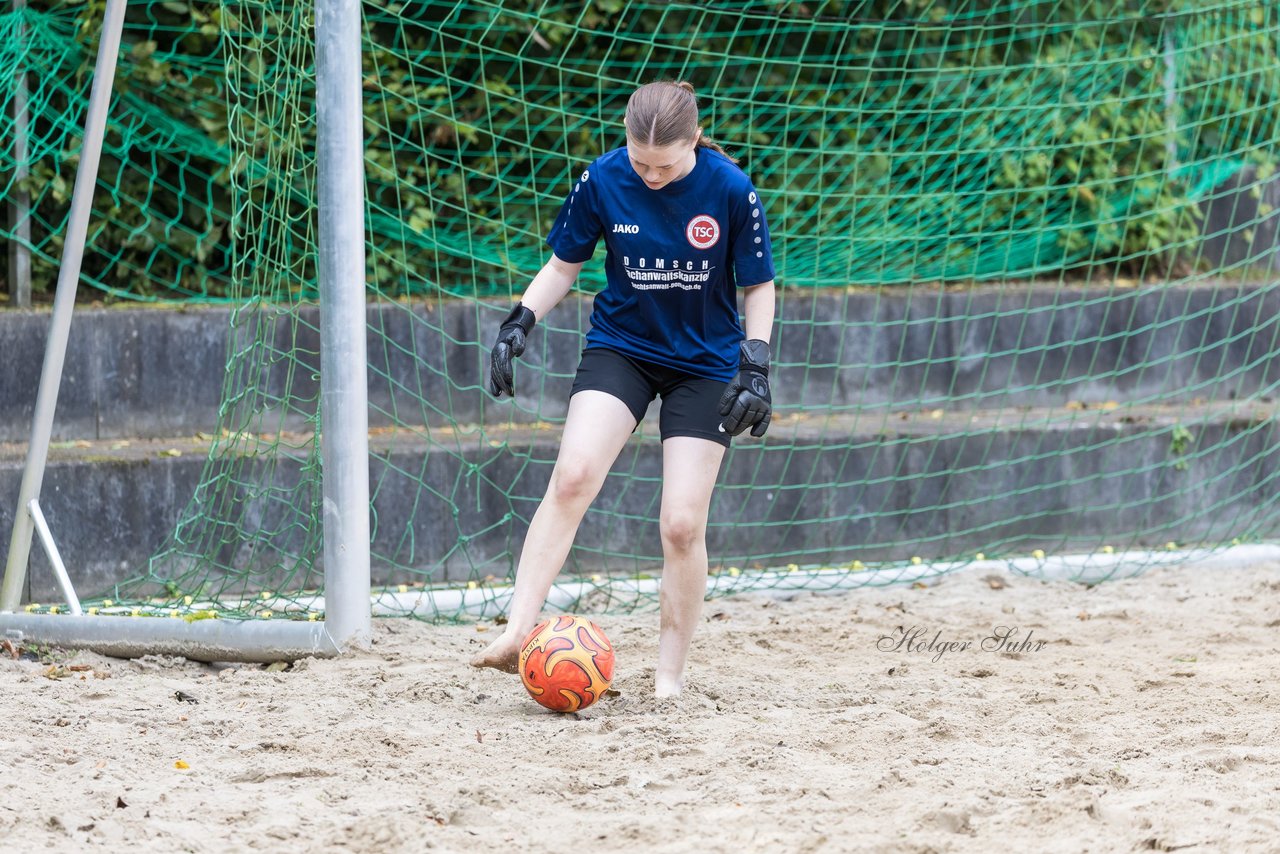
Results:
x,y
665,689
503,654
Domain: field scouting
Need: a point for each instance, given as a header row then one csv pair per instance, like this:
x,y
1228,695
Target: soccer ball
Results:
x,y
566,663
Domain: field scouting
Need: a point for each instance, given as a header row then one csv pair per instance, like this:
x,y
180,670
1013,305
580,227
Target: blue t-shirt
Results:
x,y
674,258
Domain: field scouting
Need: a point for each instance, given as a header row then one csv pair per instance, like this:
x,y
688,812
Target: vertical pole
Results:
x,y
344,403
95,124
1170,96
19,199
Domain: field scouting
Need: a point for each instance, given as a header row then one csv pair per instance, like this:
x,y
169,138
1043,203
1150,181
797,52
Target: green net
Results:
x,y
1028,310
159,224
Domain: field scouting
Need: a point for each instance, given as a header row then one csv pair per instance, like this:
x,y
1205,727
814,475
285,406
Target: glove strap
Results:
x,y
753,355
522,317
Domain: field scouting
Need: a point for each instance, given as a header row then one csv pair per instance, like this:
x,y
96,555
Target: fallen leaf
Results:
x,y
180,765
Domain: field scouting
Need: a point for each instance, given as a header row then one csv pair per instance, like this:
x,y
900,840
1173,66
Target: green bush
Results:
x,y
894,140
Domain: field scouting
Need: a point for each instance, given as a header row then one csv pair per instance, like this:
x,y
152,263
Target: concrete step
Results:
x,y
874,485
148,372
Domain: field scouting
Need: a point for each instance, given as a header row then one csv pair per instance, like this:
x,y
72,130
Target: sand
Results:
x,y
1149,719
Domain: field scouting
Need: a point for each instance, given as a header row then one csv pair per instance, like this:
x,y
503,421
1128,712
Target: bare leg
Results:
x,y
689,469
595,431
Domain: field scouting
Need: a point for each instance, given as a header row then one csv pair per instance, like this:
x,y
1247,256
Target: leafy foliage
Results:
x,y
895,140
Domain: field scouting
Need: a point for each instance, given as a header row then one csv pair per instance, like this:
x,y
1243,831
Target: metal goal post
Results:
x,y
344,396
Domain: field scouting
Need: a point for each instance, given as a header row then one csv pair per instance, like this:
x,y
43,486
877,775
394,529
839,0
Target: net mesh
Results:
x,y
1028,300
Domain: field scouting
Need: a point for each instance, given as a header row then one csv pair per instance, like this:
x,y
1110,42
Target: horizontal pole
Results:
x,y
1085,568
1097,567
199,640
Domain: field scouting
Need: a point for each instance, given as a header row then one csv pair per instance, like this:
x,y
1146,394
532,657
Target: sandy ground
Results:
x,y
1149,720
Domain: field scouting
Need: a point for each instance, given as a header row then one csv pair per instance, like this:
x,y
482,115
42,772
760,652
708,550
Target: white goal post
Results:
x,y
344,396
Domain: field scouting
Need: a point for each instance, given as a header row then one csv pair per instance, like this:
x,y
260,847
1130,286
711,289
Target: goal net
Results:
x,y
1028,306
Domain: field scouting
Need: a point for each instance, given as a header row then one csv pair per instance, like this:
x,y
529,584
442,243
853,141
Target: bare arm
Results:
x,y
550,286
758,303
746,402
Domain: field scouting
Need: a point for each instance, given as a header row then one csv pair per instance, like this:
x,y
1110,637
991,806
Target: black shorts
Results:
x,y
690,404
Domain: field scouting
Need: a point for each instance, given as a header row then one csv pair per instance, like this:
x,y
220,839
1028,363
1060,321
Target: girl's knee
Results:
x,y
681,532
573,483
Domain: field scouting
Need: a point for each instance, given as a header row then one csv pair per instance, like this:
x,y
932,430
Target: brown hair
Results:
x,y
665,113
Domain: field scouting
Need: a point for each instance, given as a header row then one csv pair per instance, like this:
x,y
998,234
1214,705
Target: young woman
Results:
x,y
685,231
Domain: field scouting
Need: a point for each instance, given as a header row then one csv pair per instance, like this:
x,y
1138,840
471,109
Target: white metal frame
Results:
x,y
344,397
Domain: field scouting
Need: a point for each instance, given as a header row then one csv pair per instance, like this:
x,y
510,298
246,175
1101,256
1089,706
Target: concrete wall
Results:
x,y
133,373
873,495
872,474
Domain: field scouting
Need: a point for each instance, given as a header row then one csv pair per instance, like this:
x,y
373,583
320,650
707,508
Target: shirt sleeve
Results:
x,y
577,229
751,249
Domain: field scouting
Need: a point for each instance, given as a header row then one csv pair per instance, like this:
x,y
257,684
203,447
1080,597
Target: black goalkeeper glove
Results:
x,y
746,402
510,344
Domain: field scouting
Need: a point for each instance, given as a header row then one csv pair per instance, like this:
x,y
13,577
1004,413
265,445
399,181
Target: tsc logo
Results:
x,y
624,228
703,232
